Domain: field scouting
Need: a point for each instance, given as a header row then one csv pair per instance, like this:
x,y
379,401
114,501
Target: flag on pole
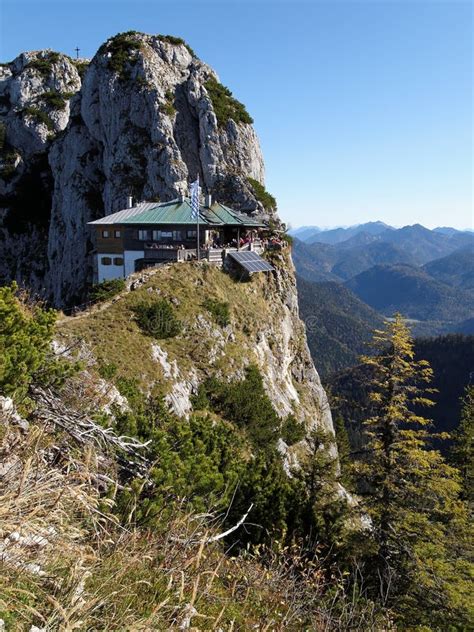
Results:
x,y
195,199
195,213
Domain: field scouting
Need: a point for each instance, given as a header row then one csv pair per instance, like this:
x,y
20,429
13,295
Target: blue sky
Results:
x,y
363,109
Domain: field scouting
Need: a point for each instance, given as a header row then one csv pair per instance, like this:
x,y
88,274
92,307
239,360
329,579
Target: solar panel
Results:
x,y
251,262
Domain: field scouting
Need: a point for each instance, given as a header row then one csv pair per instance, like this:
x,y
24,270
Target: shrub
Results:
x,y
168,107
26,332
200,400
143,83
44,65
225,105
205,461
292,430
177,41
129,388
39,116
246,404
219,311
8,155
121,48
107,289
107,371
56,100
81,66
158,319
8,158
195,459
262,194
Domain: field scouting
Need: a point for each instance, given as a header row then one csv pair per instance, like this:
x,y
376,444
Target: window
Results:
x,y
106,261
166,234
118,261
156,235
143,235
191,234
117,234
105,233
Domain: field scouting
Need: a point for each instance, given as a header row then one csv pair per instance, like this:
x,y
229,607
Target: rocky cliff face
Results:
x,y
145,118
36,91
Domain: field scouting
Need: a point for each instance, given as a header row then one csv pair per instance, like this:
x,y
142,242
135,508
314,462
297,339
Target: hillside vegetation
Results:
x,y
156,481
456,269
338,325
117,513
412,292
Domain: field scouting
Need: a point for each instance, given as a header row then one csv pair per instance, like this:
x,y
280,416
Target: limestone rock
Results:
x,y
9,414
143,125
37,90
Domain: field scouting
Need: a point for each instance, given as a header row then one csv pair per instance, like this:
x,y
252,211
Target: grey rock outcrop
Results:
x,y
36,92
141,121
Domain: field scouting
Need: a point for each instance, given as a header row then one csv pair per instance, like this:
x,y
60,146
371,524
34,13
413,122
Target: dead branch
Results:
x,y
50,409
217,537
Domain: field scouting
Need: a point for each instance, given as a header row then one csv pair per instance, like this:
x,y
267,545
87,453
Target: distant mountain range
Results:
x,y
427,275
362,249
313,234
412,292
352,279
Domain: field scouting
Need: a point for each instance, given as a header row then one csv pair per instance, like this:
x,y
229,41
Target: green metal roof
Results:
x,y
174,212
179,212
228,216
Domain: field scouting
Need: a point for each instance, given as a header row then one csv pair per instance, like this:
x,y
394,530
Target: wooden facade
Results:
x,y
107,240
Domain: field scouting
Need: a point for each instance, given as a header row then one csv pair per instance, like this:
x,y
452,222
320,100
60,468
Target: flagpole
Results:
x,y
197,221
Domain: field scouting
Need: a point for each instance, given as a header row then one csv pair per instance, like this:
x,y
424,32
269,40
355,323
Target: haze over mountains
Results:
x,y
313,234
427,275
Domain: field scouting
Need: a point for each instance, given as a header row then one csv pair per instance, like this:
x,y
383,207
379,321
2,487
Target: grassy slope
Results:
x,y
115,337
117,576
99,574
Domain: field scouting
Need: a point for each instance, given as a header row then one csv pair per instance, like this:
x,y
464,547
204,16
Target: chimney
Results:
x,y
129,201
208,200
181,197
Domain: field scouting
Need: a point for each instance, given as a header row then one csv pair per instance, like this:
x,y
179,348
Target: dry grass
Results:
x,y
49,503
68,564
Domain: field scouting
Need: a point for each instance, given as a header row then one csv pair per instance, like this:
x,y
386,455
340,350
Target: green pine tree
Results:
x,y
418,564
322,515
343,449
462,452
26,332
